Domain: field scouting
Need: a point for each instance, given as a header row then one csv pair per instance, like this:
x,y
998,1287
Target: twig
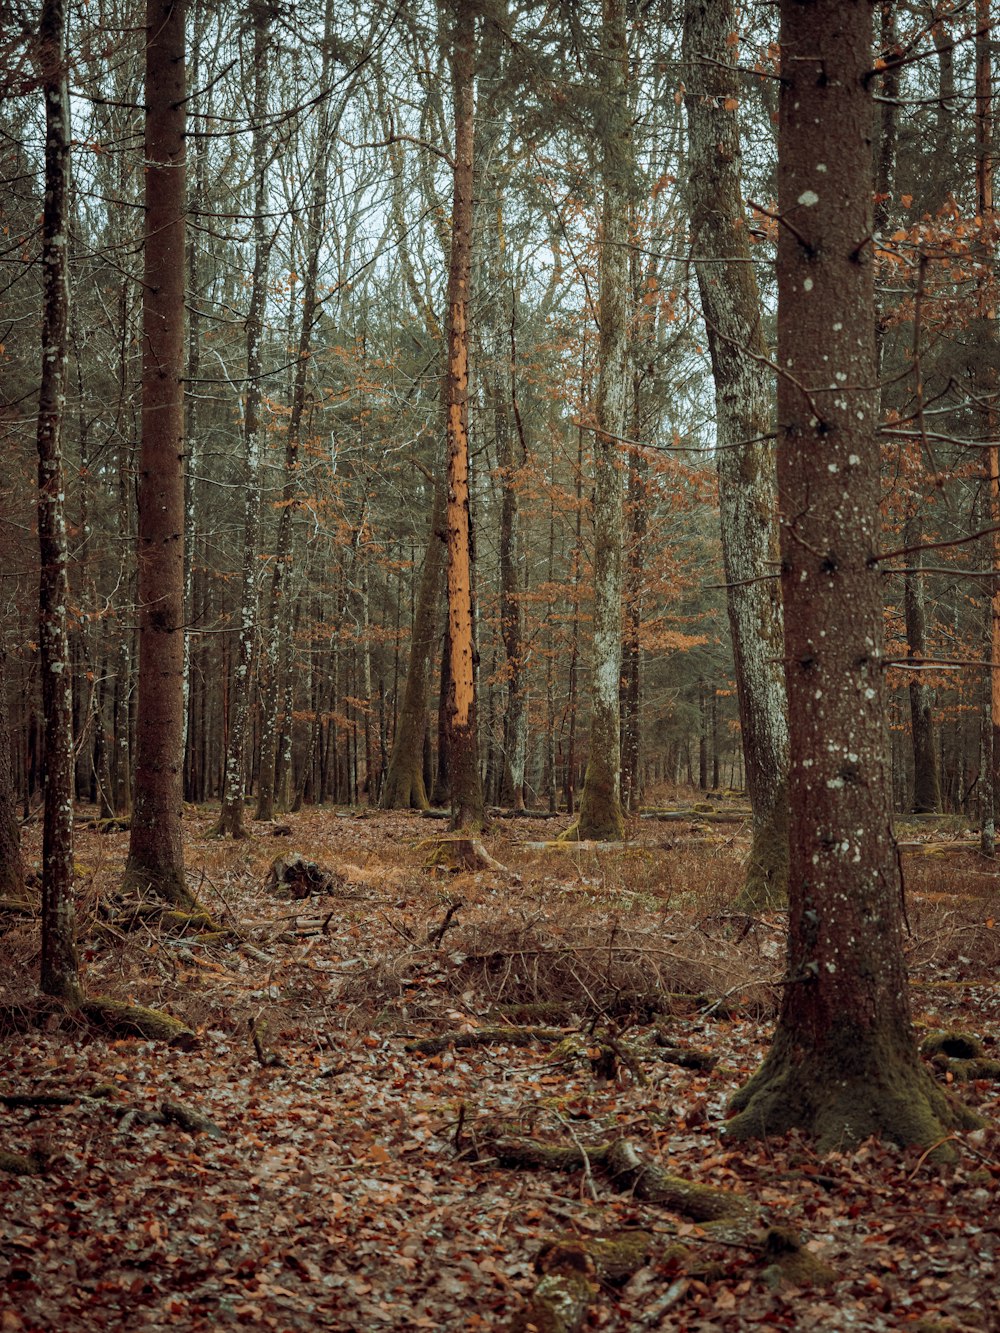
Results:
x,y
588,1175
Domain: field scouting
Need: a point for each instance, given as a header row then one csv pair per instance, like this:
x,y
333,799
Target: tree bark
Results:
x,y
515,729
405,788
59,968
843,1064
277,628
11,863
747,487
466,782
600,802
231,814
156,853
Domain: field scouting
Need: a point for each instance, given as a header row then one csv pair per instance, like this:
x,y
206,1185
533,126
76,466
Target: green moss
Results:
x,y
857,1086
788,1262
765,883
954,1045
120,1019
16,1164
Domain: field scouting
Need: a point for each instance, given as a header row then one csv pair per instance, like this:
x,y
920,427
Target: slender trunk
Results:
x,y
631,690
515,732
747,488
405,787
466,781
231,814
600,802
988,386
276,622
59,968
156,853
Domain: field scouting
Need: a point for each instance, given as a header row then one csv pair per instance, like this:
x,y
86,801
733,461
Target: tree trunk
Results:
x,y
156,854
600,802
987,388
466,782
515,728
11,864
926,782
405,788
843,1064
747,489
277,628
59,969
231,814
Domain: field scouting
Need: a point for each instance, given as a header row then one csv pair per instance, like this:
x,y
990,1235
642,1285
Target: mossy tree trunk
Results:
x,y
463,739
743,389
600,803
59,970
844,1063
156,853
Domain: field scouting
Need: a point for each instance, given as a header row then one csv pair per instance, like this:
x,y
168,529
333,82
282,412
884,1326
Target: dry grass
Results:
x,y
601,931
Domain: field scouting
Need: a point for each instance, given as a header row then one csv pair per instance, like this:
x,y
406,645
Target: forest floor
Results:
x,y
344,1181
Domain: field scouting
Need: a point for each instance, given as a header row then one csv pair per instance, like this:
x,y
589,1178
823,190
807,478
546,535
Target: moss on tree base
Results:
x,y
855,1087
167,884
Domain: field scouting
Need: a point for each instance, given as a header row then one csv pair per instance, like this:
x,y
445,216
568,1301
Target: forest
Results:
x,y
505,836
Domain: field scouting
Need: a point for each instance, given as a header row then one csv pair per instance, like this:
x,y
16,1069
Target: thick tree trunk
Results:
x,y
600,802
156,854
231,814
59,969
747,488
466,781
843,1063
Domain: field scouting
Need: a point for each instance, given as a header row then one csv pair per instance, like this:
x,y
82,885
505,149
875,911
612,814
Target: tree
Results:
x,y
843,1063
743,389
463,737
11,864
156,852
59,971
231,814
277,632
600,802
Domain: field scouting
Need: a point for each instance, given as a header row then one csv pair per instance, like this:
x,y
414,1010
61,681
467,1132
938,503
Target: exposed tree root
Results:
x,y
458,853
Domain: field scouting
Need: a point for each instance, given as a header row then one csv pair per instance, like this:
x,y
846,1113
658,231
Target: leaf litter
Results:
x,y
341,1188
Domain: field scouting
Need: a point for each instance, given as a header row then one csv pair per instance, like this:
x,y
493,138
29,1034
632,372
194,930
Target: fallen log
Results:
x,y
627,1169
119,1019
494,1036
